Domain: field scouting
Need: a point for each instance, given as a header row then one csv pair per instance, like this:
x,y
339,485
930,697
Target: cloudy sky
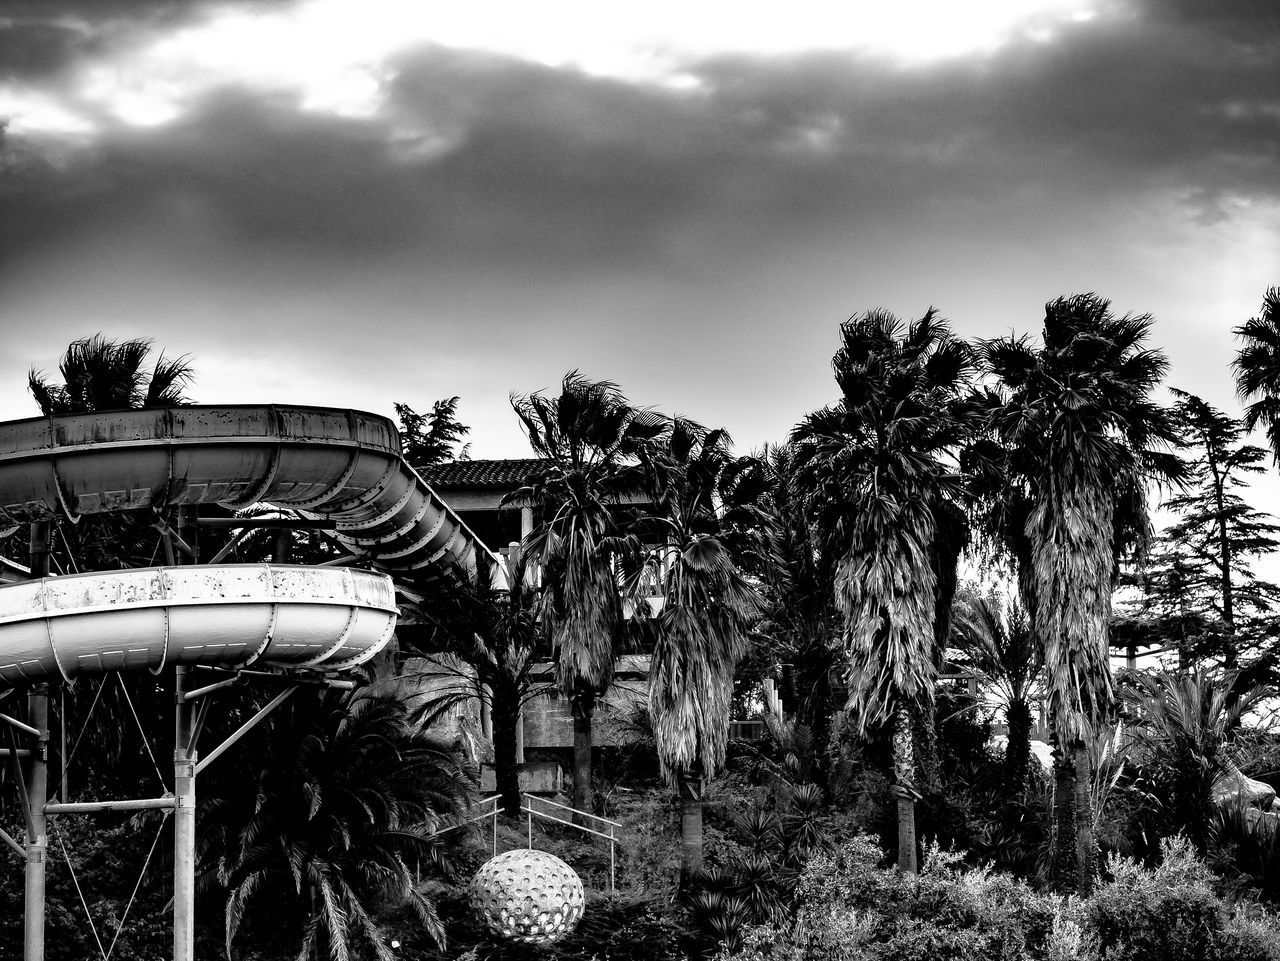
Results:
x,y
357,202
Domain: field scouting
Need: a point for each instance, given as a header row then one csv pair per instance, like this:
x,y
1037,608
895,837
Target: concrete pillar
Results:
x,y
526,522
184,826
40,544
37,836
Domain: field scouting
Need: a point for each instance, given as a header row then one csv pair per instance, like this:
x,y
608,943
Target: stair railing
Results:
x,y
604,828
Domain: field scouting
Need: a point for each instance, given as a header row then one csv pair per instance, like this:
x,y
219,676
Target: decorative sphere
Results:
x,y
528,896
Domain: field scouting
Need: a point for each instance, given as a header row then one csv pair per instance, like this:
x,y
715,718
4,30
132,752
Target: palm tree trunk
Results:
x,y
1074,851
924,745
1017,754
904,775
690,788
1072,532
506,771
584,705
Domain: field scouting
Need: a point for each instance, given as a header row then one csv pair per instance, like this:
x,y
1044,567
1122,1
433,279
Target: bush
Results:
x,y
1250,938
850,909
1169,912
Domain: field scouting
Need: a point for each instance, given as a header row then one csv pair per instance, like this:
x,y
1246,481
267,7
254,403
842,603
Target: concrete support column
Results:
x,y
37,834
40,544
184,826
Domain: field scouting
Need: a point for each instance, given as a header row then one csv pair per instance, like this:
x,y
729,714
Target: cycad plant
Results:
x,y
876,464
494,632
1080,433
994,635
1186,720
336,824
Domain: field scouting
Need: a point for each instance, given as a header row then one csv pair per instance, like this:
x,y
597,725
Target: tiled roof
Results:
x,y
491,474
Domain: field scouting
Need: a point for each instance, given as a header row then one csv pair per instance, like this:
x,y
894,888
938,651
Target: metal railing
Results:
x,y
492,802
611,835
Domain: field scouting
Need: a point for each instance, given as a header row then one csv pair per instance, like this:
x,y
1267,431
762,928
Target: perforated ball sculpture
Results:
x,y
528,896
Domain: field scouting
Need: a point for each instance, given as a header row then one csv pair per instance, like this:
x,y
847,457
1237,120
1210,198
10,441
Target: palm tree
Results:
x,y
1187,719
494,632
875,464
589,436
1079,429
995,636
100,374
1257,368
335,823
700,629
796,569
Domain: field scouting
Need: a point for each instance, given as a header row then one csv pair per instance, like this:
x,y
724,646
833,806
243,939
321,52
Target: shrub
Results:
x,y
1162,914
848,909
1250,937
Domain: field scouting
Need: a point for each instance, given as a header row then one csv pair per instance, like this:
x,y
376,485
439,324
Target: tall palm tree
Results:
x,y
495,633
1187,720
334,823
1257,368
700,629
796,569
100,374
1076,420
995,636
588,435
876,464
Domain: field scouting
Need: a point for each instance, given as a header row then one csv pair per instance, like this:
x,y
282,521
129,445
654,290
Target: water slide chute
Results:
x,y
345,465
228,616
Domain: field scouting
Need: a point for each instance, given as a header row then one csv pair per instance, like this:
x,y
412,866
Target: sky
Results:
x,y
358,202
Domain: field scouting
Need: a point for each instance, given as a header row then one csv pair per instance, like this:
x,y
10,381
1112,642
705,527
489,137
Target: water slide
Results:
x,y
342,465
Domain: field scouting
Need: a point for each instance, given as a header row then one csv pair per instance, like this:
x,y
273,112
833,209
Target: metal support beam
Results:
x,y
167,802
202,712
244,729
7,838
336,683
200,692
37,837
228,547
26,728
184,824
20,779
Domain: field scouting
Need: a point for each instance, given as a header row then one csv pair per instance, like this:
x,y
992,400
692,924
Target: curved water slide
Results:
x,y
342,465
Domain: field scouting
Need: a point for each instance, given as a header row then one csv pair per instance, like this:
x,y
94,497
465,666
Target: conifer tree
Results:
x,y
1210,550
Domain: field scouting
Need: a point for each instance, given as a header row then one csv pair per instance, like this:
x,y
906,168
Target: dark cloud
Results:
x,y
40,38
478,158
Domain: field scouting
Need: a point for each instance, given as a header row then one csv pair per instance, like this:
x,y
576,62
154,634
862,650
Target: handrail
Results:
x,y
548,817
611,837
479,817
565,807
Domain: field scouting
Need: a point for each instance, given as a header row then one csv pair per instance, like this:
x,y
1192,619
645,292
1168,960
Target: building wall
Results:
x,y
547,722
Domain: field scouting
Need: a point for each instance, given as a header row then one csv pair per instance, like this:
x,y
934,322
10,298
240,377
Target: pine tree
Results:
x,y
431,438
1211,548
